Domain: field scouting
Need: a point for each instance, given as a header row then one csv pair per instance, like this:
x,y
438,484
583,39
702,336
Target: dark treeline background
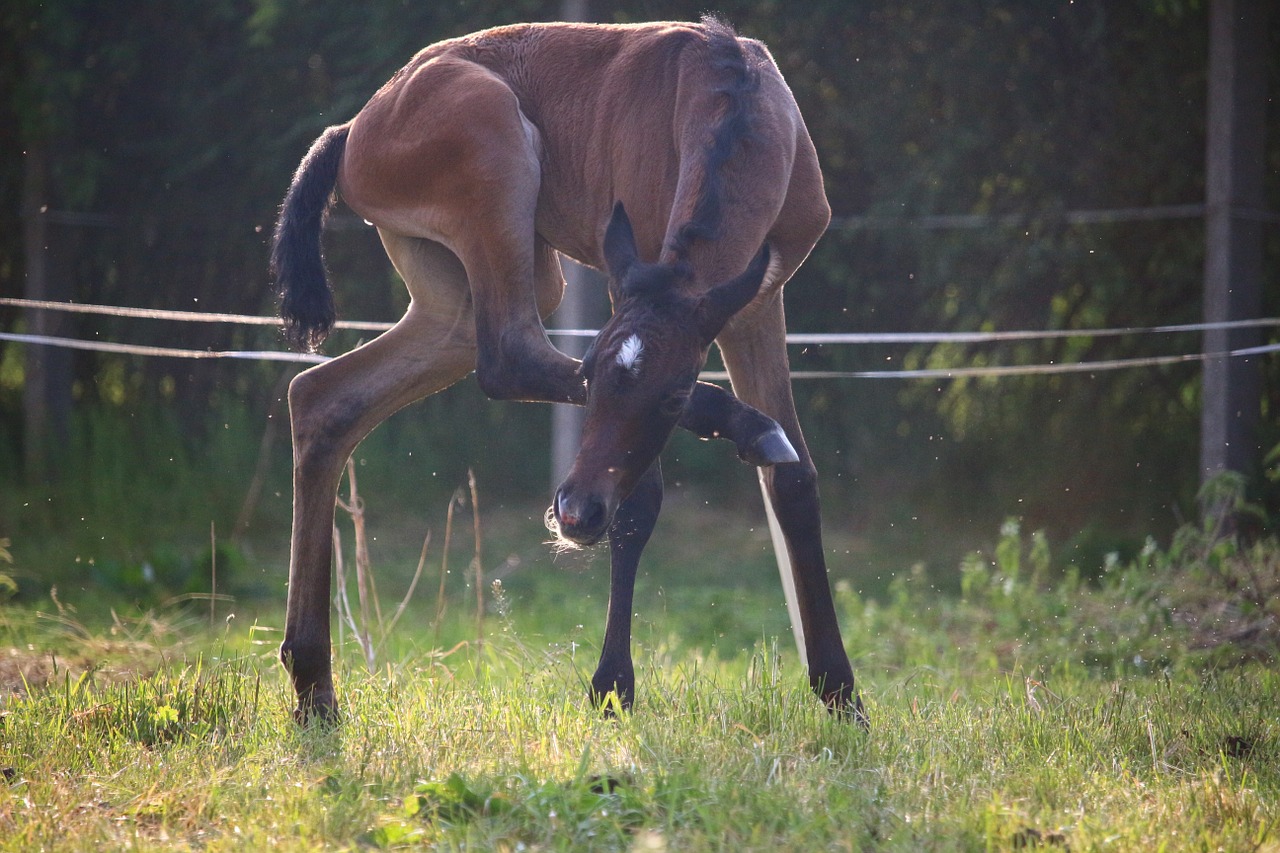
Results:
x,y
158,137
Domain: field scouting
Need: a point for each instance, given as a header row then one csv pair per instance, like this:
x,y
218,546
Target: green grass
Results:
x,y
1033,711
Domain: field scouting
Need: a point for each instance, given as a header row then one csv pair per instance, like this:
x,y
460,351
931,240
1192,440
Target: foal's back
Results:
x,y
605,113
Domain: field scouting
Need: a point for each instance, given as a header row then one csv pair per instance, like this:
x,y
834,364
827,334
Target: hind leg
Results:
x,y
484,211
331,408
754,351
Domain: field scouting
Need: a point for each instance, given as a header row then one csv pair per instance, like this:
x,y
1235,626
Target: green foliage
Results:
x,y
190,704
1206,600
133,508
1271,463
8,587
1005,583
164,574
177,127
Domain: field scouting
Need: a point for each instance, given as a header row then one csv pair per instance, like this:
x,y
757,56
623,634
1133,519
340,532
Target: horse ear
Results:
x,y
724,300
619,244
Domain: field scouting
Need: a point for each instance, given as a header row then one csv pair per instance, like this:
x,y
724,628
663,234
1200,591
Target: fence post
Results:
x,y
575,312
1234,162
566,421
46,388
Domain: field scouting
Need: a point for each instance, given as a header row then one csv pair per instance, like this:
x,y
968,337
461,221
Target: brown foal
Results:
x,y
671,154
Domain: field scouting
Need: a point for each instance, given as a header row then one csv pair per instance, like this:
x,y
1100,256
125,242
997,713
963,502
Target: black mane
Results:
x,y
653,282
727,58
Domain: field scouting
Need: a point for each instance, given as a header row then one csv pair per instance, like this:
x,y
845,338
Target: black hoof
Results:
x,y
317,709
611,704
769,448
846,706
612,700
855,713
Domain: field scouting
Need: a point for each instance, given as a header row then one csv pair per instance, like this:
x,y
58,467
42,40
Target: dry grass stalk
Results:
x,y
404,602
366,586
476,563
359,630
444,563
213,571
370,620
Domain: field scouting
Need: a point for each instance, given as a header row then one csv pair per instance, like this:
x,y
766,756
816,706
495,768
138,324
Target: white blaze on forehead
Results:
x,y
630,353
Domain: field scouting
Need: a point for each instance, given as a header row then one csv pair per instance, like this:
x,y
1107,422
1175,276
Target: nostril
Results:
x,y
592,516
579,515
562,513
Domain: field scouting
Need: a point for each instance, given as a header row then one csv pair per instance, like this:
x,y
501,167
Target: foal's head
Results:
x,y
640,373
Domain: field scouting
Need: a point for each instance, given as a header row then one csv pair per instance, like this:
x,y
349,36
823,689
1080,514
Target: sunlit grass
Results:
x,y
499,750
1137,713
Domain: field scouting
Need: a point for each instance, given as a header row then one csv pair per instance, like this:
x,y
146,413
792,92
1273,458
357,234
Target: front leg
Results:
x,y
714,412
520,363
530,368
756,356
515,360
632,525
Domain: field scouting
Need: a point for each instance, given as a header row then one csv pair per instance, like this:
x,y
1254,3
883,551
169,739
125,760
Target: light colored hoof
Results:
x,y
772,448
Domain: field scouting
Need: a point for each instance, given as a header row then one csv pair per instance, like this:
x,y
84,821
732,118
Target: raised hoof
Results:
x,y
769,448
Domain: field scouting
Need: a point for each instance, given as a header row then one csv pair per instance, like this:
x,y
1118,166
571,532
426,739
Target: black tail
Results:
x,y
306,301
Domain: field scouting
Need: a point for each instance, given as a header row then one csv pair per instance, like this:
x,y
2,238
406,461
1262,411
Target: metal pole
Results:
x,y
566,421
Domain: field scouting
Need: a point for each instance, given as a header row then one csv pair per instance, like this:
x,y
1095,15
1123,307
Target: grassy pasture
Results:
x,y
1032,711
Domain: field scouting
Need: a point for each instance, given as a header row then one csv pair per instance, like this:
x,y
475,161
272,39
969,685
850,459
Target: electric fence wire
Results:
x,y
794,339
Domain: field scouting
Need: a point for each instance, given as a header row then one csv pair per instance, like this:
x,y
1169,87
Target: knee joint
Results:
x,y
795,480
519,370
498,377
322,433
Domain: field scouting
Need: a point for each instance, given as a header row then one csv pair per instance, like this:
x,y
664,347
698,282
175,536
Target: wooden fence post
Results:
x,y
1233,233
